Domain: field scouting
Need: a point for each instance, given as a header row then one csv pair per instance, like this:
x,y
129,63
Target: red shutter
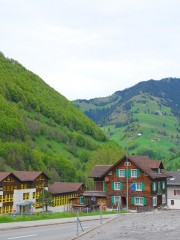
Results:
x,y
174,192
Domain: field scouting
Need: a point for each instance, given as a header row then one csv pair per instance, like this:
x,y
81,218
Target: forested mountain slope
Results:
x,y
151,108
41,130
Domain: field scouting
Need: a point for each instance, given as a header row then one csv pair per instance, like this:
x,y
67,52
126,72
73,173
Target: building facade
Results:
x,y
63,194
136,183
20,190
173,190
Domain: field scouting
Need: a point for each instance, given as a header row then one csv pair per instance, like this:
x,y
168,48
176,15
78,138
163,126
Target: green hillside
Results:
x,y
41,130
151,108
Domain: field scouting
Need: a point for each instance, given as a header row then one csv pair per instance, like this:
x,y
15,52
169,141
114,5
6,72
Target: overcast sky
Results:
x,y
92,48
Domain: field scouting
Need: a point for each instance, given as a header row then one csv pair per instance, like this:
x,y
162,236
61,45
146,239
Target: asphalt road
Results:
x,y
64,231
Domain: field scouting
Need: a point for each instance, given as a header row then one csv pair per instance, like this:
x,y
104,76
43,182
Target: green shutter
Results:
x,y
163,185
121,186
113,199
132,200
143,186
104,186
81,200
138,173
127,173
112,185
144,201
117,172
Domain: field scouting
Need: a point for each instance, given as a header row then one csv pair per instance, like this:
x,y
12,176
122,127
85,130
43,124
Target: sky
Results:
x,y
92,48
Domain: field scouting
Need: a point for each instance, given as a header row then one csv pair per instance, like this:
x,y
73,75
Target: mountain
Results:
x,y
41,130
151,108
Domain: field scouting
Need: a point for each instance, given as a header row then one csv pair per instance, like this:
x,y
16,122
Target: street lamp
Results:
x,y
127,177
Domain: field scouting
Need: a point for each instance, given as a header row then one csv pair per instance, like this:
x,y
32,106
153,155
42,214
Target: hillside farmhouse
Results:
x,y
134,182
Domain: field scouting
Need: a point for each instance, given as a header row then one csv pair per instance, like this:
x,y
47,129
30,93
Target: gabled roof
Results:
x,y
99,171
147,165
27,176
3,175
144,163
64,187
175,178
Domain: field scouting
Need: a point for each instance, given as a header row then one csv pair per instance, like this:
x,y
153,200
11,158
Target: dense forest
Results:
x,y
41,130
151,108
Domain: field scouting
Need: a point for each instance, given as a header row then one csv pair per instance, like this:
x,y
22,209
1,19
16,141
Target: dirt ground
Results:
x,y
163,225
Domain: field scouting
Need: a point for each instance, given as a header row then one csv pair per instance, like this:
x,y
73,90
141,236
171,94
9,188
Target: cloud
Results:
x,y
92,48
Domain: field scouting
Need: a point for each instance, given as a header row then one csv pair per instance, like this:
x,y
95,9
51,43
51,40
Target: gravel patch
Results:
x,y
139,226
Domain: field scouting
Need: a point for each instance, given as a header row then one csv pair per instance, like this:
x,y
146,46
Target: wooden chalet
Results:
x,y
134,182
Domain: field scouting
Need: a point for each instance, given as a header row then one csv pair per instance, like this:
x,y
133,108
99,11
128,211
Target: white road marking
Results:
x,y
23,236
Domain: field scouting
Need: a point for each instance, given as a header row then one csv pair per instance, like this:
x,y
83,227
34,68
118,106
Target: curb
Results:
x,y
36,224
92,229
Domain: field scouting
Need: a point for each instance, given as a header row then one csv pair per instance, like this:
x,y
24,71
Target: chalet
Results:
x,y
173,190
134,182
19,190
63,193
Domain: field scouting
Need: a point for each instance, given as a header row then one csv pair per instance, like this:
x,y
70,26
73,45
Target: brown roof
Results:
x,y
26,176
64,187
144,163
3,175
99,171
147,165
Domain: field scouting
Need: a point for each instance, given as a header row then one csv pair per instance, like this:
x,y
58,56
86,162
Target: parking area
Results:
x,y
139,226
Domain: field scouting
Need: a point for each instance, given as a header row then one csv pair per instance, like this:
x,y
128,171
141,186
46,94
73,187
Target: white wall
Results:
x,y
171,196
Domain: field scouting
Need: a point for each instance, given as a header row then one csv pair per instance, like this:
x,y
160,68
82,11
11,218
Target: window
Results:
x,y
117,186
163,185
172,202
133,173
154,186
115,199
25,196
138,186
110,173
154,201
163,198
121,172
127,164
176,192
139,201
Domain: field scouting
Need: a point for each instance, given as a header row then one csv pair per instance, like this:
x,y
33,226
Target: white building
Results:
x,y
173,190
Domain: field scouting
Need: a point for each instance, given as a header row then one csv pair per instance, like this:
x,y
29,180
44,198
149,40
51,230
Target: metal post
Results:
x,y
127,181
77,233
100,213
77,225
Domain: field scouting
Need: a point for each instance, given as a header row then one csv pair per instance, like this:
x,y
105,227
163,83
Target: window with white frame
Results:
x,y
133,173
154,201
121,172
139,201
163,198
138,186
117,185
154,186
